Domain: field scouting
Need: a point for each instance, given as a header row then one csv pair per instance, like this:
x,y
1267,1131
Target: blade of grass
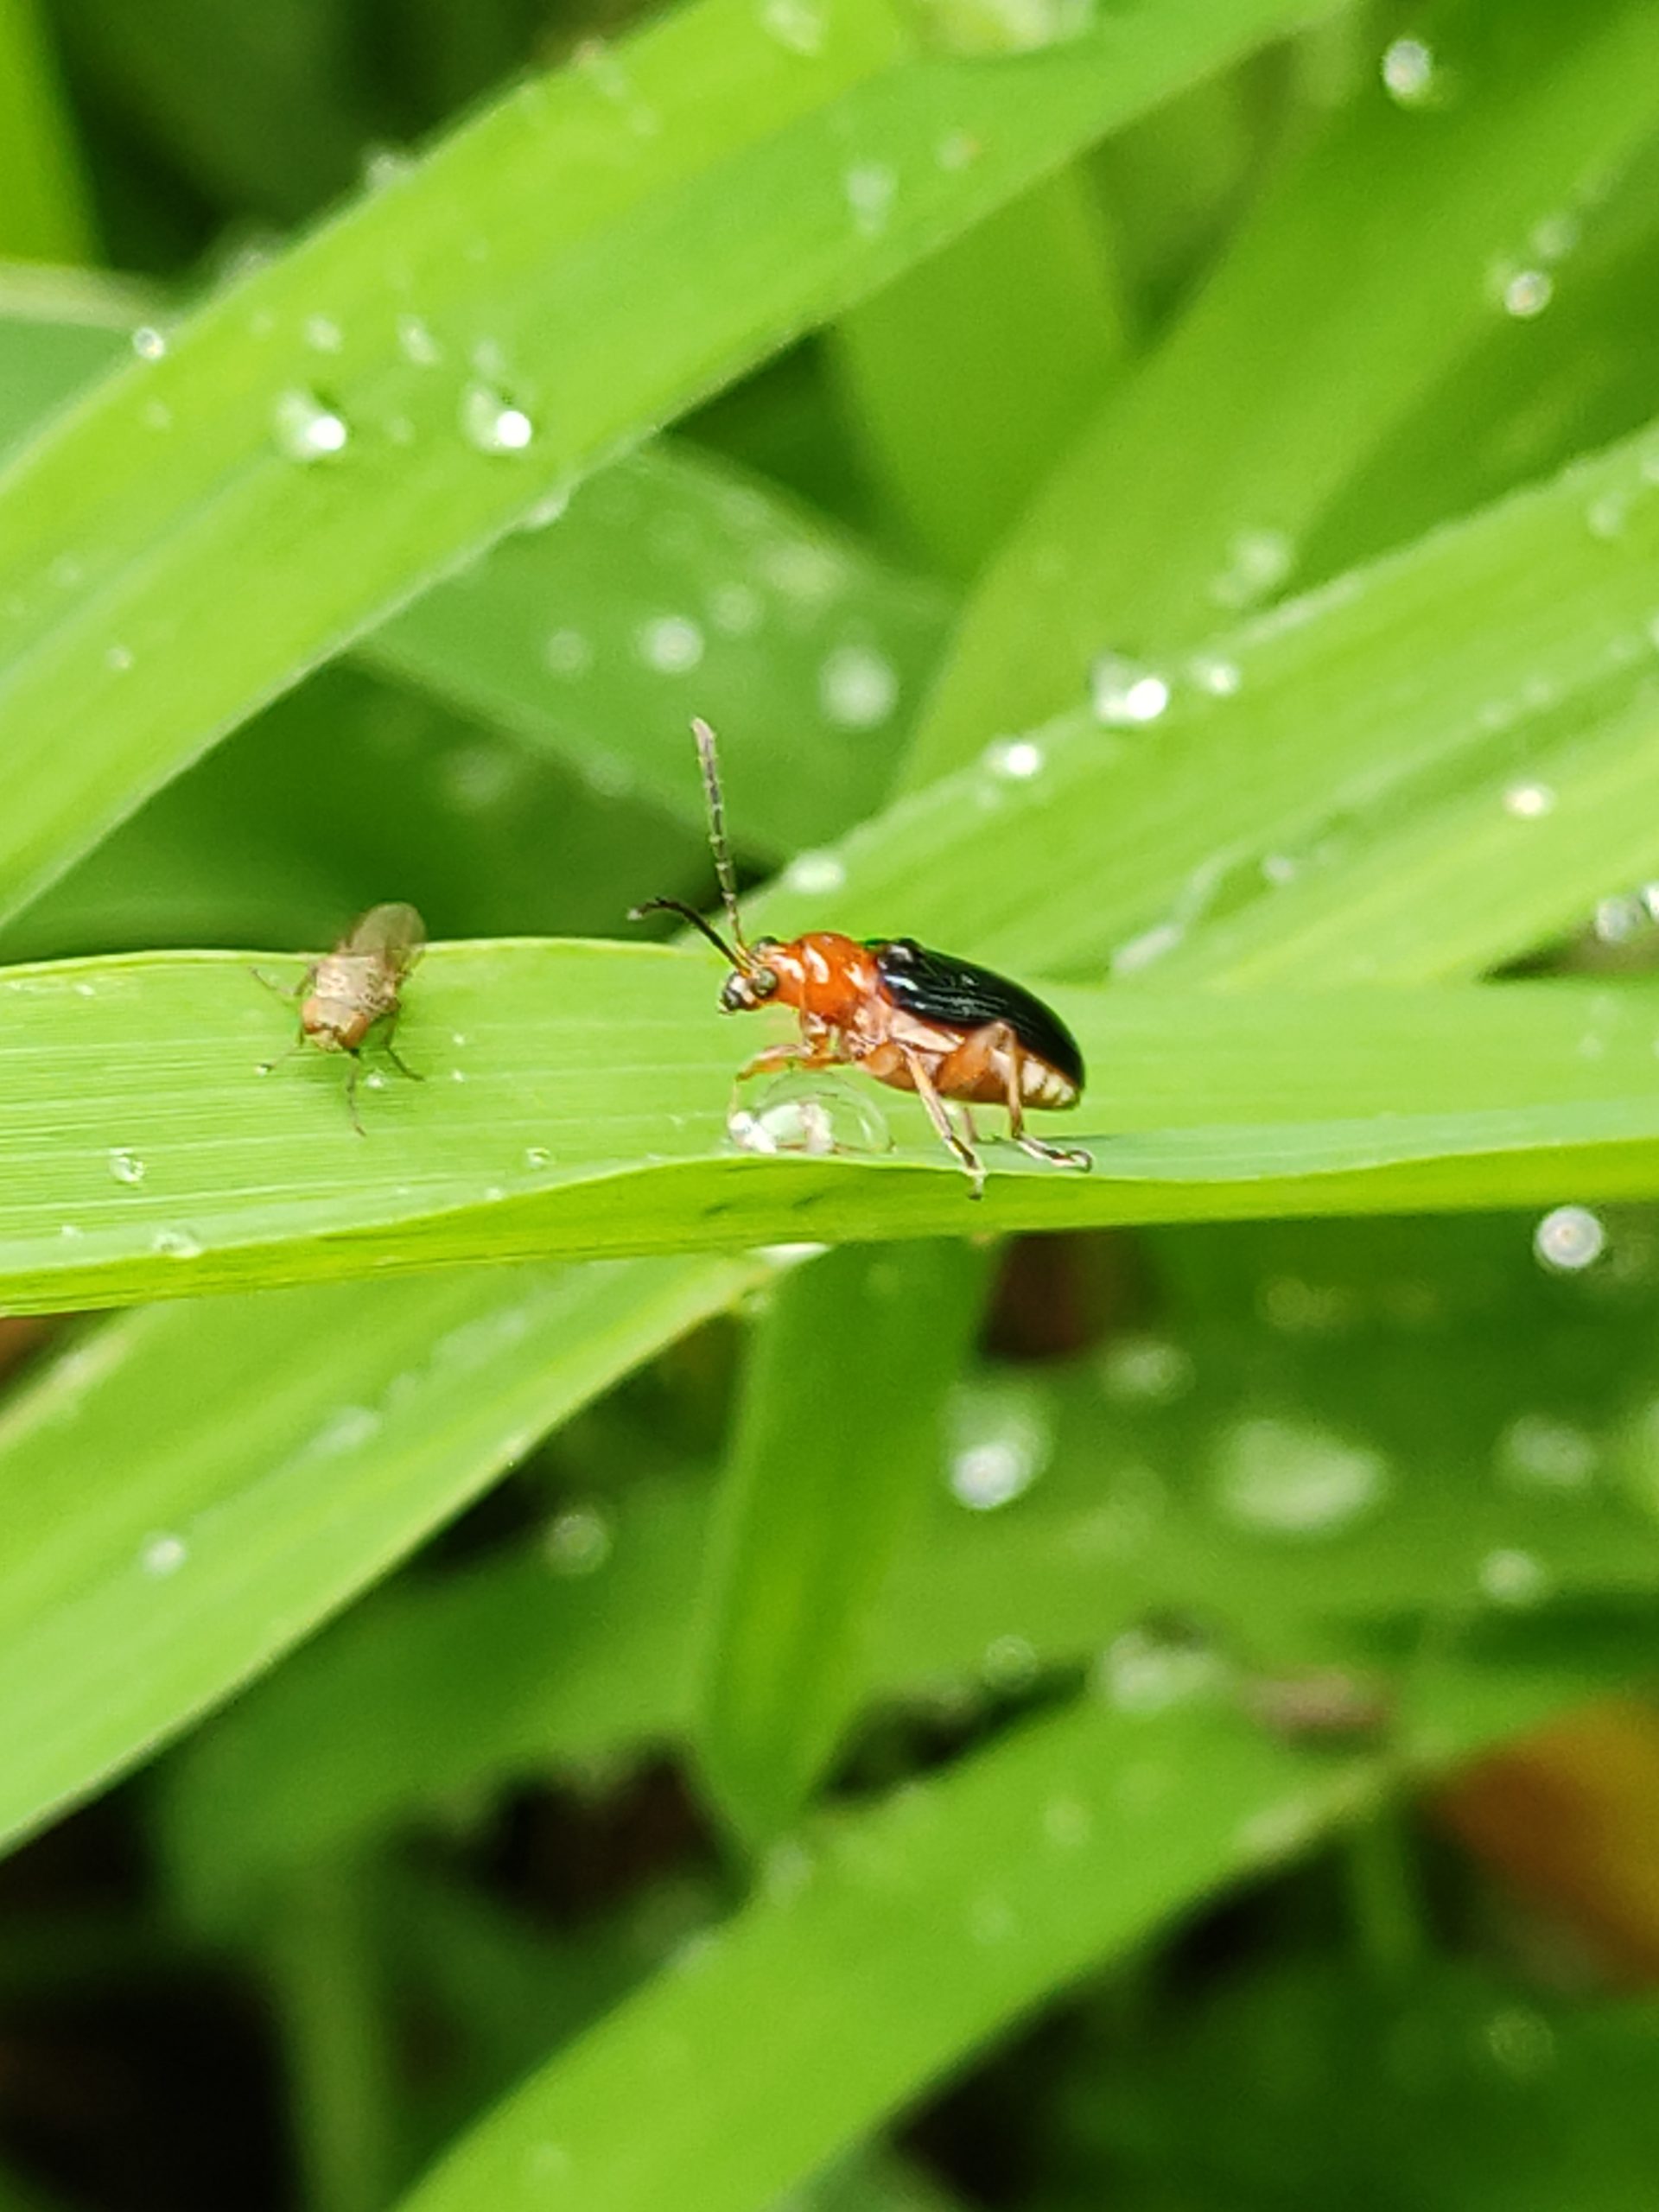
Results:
x,y
806,1529
677,583
336,431
913,1934
968,378
574,1102
223,1484
1194,490
1337,1440
44,212
674,580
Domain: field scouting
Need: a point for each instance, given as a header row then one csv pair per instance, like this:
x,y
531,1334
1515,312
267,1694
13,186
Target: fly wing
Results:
x,y
936,987
393,932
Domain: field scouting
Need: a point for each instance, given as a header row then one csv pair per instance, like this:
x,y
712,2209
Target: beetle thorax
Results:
x,y
825,975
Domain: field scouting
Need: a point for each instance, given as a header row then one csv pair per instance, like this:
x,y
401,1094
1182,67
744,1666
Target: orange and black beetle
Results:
x,y
915,1020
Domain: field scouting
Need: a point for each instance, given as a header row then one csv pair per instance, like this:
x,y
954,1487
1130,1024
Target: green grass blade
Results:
x,y
574,1102
219,1487
676,585
1195,489
863,1342
968,377
1336,1440
334,432
1356,705
44,213
917,1930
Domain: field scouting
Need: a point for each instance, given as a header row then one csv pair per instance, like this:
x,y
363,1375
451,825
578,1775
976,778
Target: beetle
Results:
x,y
914,1019
355,990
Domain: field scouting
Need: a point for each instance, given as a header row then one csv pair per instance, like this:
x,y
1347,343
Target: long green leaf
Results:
x,y
1195,488
217,1489
862,1348
574,1102
345,425
44,215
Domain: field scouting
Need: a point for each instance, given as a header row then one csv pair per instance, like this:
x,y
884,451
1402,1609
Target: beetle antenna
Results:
x,y
687,914
722,851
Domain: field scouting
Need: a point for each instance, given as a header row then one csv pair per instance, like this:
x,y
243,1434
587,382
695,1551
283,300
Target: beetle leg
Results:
x,y
927,1092
976,1056
808,1052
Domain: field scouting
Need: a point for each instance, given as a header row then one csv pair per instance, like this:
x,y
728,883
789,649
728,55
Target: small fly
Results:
x,y
356,989
914,1019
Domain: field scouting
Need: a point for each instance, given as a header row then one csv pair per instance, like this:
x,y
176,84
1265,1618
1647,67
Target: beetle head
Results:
x,y
753,982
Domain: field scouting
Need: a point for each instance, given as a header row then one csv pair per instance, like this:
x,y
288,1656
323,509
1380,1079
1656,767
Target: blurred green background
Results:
x,y
1150,1715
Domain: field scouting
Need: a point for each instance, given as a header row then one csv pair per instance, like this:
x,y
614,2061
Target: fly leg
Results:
x,y
351,1074
927,1090
298,1046
975,1057
401,1065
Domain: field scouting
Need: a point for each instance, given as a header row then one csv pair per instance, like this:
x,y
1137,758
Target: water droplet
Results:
x,y
149,343
1525,293
492,423
323,334
1000,1442
1521,2042
1151,946
1142,1672
118,659
1258,562
1512,1578
1409,73
383,166
1015,759
1146,1370
126,1166
672,644
71,1228
547,510
800,25
1538,1452
1617,921
162,1555
578,1540
1125,694
1278,1832
348,1428
175,1244
1296,1478
810,575
1068,1823
1608,517
870,187
538,1155
957,150
736,610
1528,802
1557,235
1009,1663
1569,1238
791,1255
857,687
811,1113
816,874
156,415
567,652
417,344
1221,678
307,429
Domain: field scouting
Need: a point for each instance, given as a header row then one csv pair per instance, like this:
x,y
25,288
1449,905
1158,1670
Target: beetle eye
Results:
x,y
763,983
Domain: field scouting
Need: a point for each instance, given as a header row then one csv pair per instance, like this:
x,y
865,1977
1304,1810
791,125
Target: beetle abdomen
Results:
x,y
957,995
